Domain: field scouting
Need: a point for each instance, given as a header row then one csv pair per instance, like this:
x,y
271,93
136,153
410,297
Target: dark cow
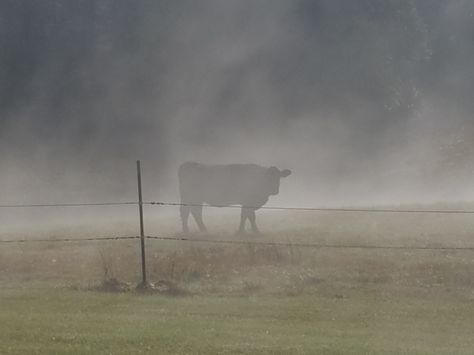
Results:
x,y
247,185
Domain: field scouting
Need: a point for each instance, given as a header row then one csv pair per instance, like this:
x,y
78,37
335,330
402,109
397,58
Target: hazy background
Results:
x,y
365,101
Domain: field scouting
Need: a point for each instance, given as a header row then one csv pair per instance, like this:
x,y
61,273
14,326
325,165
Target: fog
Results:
x,y
367,102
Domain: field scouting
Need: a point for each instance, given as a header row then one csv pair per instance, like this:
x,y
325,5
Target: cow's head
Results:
x,y
273,179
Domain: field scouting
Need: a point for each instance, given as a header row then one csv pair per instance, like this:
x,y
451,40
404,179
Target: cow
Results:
x,y
247,185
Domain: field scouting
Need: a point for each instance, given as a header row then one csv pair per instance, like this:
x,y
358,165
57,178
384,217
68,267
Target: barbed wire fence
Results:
x,y
317,209
180,238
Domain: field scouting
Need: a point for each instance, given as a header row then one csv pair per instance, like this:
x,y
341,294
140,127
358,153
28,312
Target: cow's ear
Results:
x,y
285,173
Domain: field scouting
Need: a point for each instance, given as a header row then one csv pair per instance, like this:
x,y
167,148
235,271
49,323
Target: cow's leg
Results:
x,y
197,214
184,211
243,218
253,224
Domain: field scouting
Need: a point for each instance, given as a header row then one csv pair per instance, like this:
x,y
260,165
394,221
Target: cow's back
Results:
x,y
242,184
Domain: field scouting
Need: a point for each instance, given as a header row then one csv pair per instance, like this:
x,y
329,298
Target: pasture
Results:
x,y
247,299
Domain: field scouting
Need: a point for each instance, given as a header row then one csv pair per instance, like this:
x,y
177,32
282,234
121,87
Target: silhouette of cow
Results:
x,y
247,185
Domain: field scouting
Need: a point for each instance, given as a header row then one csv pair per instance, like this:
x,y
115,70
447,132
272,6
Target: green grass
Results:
x,y
63,321
248,299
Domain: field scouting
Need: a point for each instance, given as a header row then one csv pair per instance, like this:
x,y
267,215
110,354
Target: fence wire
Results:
x,y
290,208
317,209
68,204
307,245
242,242
65,239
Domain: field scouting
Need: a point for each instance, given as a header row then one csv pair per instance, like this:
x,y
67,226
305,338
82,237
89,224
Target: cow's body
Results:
x,y
247,185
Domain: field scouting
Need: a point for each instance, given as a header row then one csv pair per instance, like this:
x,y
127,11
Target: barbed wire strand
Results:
x,y
68,204
306,245
321,209
65,239
243,242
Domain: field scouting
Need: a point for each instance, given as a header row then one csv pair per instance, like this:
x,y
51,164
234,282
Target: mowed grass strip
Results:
x,y
63,321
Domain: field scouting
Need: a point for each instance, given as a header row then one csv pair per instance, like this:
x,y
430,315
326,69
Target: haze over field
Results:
x,y
362,104
365,101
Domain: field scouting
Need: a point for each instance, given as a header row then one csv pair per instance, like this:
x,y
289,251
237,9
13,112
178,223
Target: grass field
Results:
x,y
60,321
249,299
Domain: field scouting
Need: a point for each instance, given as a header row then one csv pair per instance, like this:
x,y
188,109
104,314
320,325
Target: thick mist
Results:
x,y
365,101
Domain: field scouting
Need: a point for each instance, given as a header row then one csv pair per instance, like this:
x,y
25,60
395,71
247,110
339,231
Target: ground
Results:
x,y
249,299
52,321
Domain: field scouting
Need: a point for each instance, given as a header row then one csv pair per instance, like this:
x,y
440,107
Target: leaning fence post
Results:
x,y
144,283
